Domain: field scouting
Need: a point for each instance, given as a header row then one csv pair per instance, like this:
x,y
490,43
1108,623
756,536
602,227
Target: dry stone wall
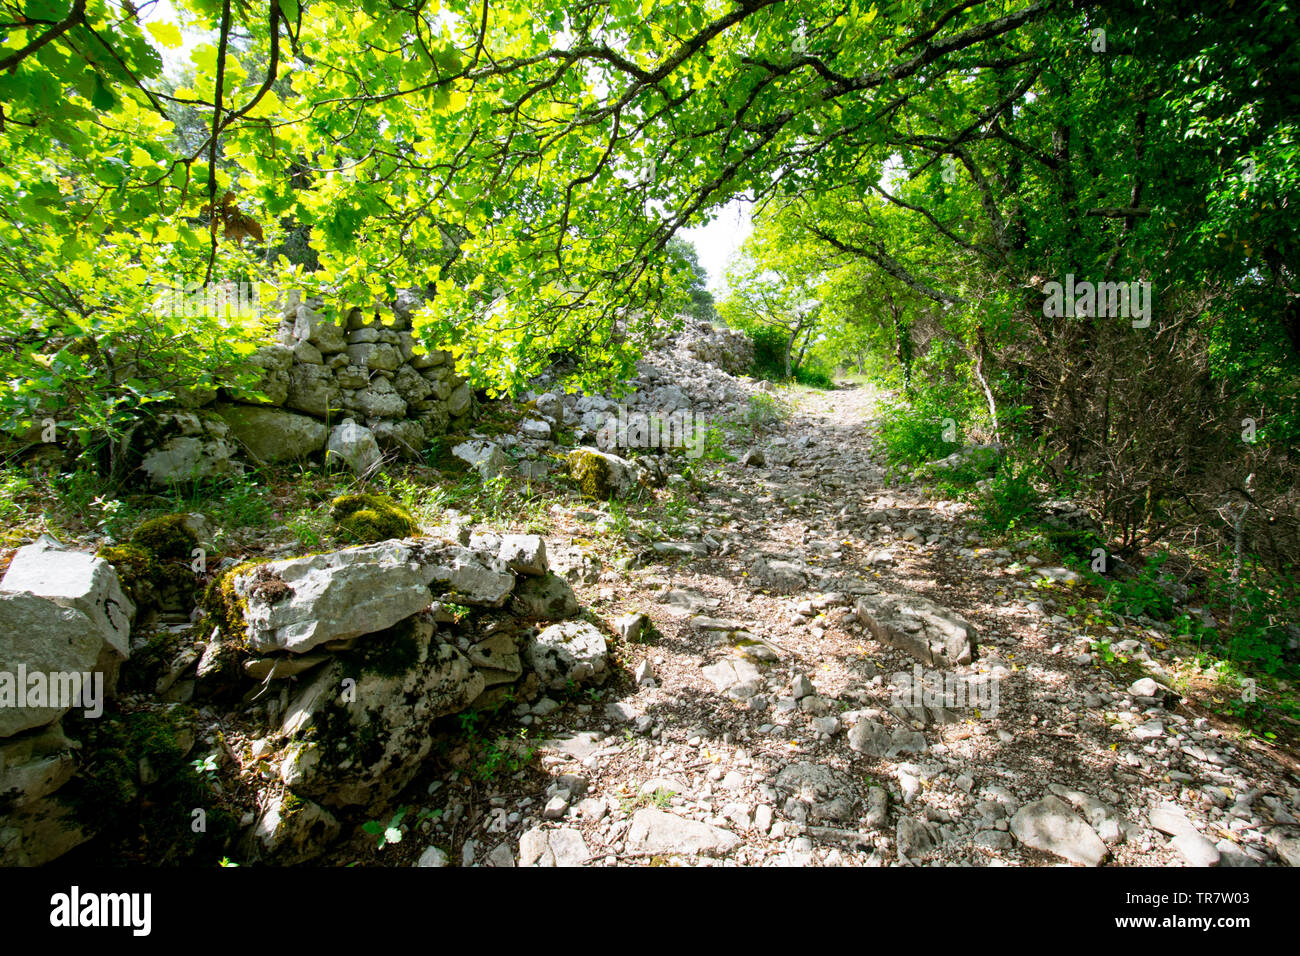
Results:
x,y
327,385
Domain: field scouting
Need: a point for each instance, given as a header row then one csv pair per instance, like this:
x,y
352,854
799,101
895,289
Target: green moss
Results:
x,y
137,823
167,538
224,607
389,653
369,518
290,805
591,472
154,567
136,568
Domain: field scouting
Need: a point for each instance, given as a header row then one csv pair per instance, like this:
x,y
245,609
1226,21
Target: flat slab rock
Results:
x,y
739,678
656,833
1051,825
565,847
929,632
300,603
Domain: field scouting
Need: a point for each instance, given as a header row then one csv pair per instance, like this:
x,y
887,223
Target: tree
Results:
x,y
701,299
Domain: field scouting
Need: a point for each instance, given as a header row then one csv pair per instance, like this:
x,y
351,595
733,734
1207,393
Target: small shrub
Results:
x,y
813,377
1009,499
763,409
769,351
1147,594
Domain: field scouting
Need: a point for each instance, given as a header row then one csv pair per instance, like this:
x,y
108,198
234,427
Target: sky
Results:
x,y
717,242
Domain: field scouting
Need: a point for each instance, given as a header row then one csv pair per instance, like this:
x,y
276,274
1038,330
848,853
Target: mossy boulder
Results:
x,y
169,538
602,476
135,569
154,567
297,604
367,518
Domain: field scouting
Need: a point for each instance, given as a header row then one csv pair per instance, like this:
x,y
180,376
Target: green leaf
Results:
x,y
168,34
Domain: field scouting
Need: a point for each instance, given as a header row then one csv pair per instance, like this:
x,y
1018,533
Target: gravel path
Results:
x,y
757,721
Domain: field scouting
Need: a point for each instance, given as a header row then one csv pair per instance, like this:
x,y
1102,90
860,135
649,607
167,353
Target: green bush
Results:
x,y
913,431
763,409
1009,499
1147,594
813,377
769,351
1253,615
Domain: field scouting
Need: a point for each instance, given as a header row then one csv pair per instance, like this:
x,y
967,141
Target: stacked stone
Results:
x,y
321,374
65,629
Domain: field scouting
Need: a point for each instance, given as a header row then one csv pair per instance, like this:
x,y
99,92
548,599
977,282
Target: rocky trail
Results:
x,y
760,719
771,652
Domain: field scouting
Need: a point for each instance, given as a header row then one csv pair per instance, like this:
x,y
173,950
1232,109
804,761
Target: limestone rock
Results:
x,y
39,636
778,576
463,576
930,633
483,456
361,743
312,389
273,434
601,475
1051,825
570,652
38,833
300,603
548,598
825,795
656,833
77,580
291,830
353,444
525,554
539,847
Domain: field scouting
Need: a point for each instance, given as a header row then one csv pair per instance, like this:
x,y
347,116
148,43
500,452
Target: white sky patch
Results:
x,y
717,242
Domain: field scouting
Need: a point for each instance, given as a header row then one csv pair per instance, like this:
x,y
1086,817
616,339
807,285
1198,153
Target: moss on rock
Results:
x,y
136,569
154,566
368,518
389,653
168,538
591,472
224,607
144,819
